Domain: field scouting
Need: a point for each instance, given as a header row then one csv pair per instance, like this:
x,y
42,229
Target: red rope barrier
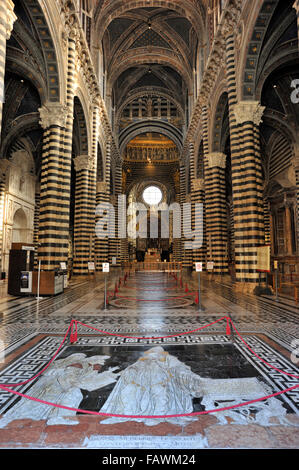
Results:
x,y
6,388
110,415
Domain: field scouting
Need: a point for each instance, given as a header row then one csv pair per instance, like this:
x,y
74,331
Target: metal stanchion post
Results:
x,y
38,281
199,293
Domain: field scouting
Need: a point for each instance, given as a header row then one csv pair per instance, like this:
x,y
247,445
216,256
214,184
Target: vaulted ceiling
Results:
x,y
150,52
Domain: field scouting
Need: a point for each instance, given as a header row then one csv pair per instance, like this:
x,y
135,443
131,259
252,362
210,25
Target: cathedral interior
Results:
x,y
149,224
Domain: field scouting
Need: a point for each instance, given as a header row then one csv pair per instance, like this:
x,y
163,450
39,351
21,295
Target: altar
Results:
x,y
152,255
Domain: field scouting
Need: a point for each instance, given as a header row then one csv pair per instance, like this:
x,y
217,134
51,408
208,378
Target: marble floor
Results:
x,y
151,351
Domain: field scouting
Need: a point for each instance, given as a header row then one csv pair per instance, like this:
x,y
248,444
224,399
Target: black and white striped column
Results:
x,y
244,120
84,216
103,204
248,192
92,174
54,195
296,168
186,252
7,19
197,213
120,219
36,222
216,211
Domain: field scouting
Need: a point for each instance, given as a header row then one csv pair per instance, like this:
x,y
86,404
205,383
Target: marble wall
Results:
x,y
19,202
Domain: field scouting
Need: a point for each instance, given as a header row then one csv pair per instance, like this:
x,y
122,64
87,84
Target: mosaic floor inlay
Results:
x,y
190,372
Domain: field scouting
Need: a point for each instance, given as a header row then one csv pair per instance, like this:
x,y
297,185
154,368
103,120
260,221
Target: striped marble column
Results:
x,y
4,165
177,242
84,215
92,181
248,192
54,194
36,222
185,221
216,212
247,198
198,200
296,168
103,201
7,19
118,212
2,201
205,139
112,242
197,210
267,221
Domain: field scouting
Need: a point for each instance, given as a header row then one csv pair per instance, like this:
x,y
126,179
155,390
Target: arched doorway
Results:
x,y
20,230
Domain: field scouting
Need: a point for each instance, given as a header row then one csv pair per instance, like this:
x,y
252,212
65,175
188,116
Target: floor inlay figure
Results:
x,y
61,384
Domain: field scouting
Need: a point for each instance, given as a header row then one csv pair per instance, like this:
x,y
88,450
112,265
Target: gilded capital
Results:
x,y
216,159
249,111
53,114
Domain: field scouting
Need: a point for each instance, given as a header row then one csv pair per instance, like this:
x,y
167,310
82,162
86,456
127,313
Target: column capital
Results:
x,y
101,187
53,114
216,159
83,162
198,184
249,111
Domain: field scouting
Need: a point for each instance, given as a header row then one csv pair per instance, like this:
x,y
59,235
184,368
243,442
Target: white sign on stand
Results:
x,y
198,267
210,265
106,267
91,266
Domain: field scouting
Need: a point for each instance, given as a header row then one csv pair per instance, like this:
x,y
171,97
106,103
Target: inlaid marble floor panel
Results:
x,y
115,373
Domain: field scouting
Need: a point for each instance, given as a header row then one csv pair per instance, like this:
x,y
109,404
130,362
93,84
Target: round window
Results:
x,y
152,195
